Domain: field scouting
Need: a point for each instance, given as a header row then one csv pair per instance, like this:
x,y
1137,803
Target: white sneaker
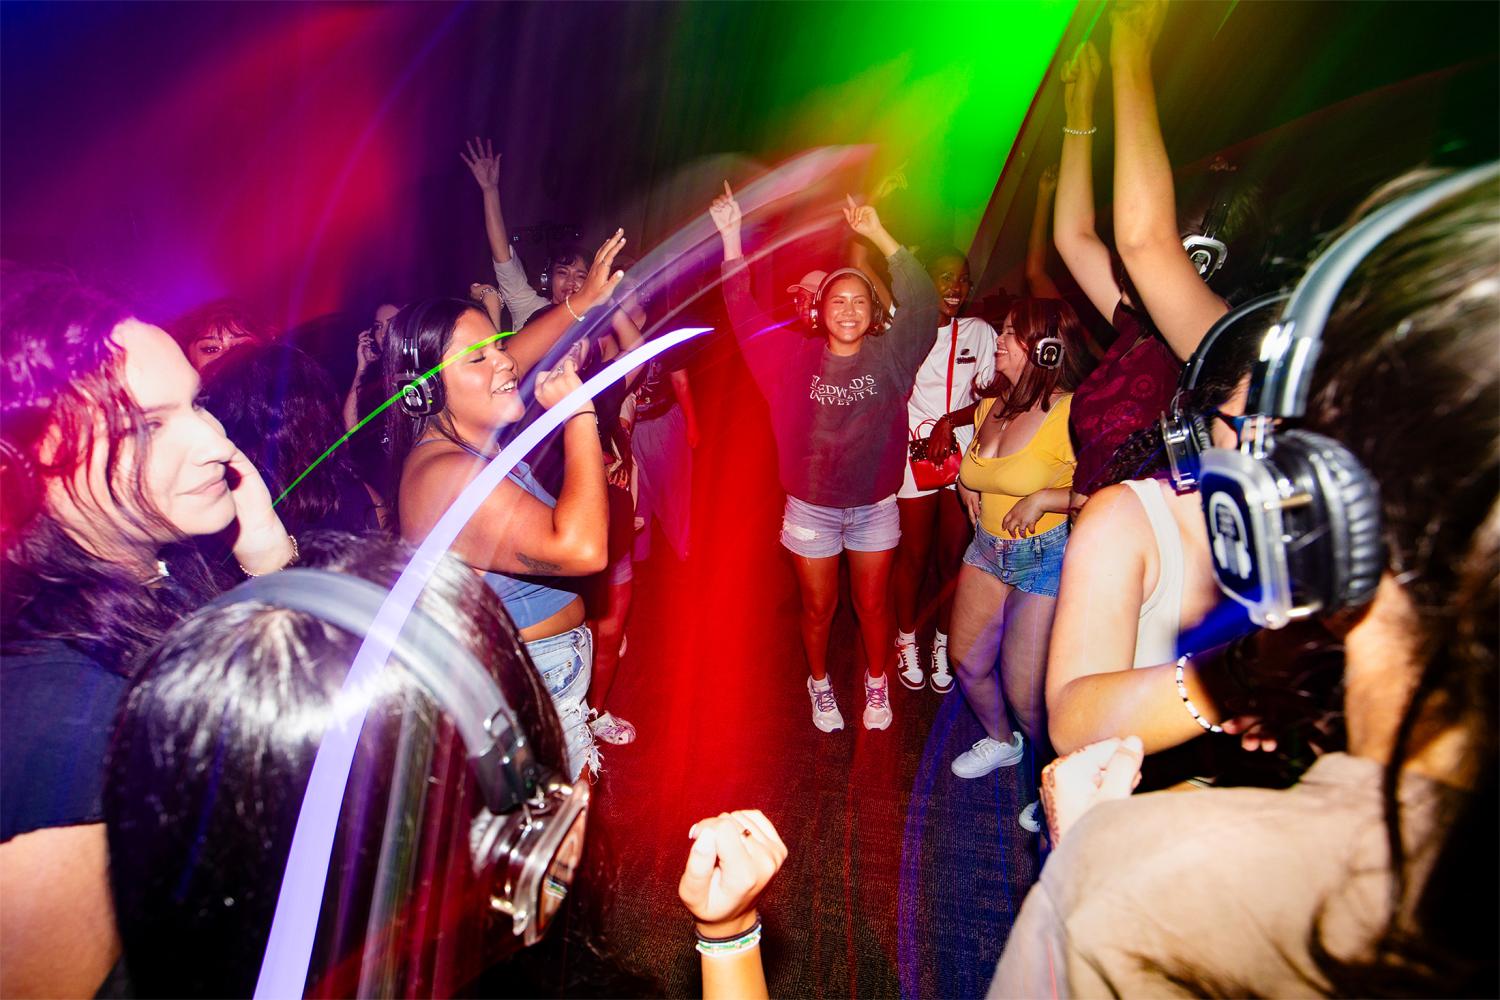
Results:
x,y
986,755
877,703
1030,818
909,665
826,715
612,729
941,680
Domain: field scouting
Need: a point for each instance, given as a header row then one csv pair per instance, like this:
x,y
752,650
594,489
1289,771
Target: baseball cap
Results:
x,y
810,282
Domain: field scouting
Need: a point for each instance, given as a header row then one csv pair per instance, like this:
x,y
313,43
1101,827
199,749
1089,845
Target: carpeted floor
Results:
x,y
901,879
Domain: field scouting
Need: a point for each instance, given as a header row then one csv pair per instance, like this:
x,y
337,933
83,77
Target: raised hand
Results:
x,y
553,385
734,856
1046,185
1080,76
890,183
1100,772
600,283
365,352
725,211
1136,24
863,219
483,162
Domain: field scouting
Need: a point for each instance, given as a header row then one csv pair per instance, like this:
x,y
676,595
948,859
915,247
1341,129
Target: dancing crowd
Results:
x,y
1159,541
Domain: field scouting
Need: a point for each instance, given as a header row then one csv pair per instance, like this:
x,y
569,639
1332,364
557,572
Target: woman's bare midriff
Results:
x,y
565,620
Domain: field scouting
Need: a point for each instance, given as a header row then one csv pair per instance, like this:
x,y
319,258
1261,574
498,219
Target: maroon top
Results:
x,y
1128,392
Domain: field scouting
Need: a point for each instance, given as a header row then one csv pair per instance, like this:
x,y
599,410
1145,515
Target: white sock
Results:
x,y
940,639
822,685
910,637
878,682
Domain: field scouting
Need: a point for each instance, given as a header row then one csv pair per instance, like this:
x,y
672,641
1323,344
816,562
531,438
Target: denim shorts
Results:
x,y
815,532
1031,564
566,663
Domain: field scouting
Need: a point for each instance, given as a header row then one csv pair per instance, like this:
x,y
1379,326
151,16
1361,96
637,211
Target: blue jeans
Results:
x,y
816,532
1031,564
566,663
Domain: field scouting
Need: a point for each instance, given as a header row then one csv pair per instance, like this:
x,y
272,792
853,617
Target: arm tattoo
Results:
x,y
539,567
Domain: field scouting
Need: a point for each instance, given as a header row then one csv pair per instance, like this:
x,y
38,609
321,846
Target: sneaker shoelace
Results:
x,y
824,699
877,697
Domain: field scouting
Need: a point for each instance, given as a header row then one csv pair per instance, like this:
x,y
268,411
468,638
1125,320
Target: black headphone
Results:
x,y
880,316
1293,518
1184,427
1207,252
419,393
1048,353
530,813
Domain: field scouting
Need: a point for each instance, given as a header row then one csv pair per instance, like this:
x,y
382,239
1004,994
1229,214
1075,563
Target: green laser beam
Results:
x,y
385,406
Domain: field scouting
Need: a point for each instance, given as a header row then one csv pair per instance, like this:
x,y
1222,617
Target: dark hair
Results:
x,y
1407,380
63,386
1225,366
1031,319
220,314
279,405
429,324
1234,208
212,755
931,258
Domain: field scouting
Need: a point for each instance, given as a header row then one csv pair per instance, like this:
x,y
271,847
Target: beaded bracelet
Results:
x,y
720,947
568,302
1187,702
296,554
1081,131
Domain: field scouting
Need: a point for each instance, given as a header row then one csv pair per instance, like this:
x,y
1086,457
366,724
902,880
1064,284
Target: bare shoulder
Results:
x,y
1110,511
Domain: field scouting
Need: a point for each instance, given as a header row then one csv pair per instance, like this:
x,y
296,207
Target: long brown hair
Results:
x,y
1031,319
1416,334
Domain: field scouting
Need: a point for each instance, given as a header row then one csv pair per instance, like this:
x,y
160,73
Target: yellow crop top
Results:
x,y
1045,463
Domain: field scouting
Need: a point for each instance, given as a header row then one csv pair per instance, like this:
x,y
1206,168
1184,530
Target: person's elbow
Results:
x,y
1066,728
588,556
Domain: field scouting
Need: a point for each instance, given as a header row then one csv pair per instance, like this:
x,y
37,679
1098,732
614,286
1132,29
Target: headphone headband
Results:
x,y
845,272
507,772
1282,379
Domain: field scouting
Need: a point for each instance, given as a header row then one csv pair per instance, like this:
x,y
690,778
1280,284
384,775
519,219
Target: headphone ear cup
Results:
x,y
1344,551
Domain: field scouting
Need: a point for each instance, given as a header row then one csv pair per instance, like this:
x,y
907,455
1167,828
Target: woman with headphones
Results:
x,y
528,544
1375,874
110,469
1014,482
838,411
460,838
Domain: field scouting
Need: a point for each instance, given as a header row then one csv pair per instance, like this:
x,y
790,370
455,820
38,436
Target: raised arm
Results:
x,y
1092,691
915,326
537,337
513,531
484,163
734,856
365,355
1181,305
761,343
1073,229
1038,282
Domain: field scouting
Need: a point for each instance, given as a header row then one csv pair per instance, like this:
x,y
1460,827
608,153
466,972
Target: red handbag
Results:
x,y
928,473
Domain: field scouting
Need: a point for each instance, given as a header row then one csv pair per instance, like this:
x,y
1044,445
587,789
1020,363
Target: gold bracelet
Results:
x,y
296,554
568,302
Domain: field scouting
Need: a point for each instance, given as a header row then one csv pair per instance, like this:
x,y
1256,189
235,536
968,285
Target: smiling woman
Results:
x,y
525,541
107,463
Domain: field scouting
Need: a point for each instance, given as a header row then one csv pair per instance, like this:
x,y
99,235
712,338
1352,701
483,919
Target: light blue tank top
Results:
x,y
528,599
